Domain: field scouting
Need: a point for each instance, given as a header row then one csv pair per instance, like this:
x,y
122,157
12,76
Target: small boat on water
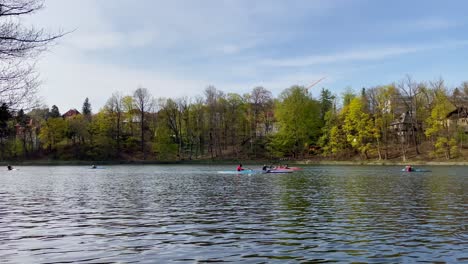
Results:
x,y
240,172
257,171
415,170
280,171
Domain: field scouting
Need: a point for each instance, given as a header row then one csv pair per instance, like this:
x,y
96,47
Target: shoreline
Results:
x,y
230,162
386,163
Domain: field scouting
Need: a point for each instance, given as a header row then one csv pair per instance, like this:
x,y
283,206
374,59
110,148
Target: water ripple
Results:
x,y
188,214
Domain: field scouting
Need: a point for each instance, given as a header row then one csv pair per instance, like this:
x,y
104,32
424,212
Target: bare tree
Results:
x,y
261,102
213,96
143,103
115,108
19,47
410,91
170,108
186,138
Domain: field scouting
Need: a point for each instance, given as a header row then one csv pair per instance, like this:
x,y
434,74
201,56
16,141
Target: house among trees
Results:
x,y
133,117
405,126
71,113
458,118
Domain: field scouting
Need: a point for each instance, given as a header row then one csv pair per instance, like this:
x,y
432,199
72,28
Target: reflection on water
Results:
x,y
149,214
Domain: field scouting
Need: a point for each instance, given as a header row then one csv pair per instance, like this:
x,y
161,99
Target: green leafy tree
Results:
x,y
130,117
77,129
298,118
164,145
348,95
358,126
338,143
52,132
326,103
102,145
333,139
381,102
437,125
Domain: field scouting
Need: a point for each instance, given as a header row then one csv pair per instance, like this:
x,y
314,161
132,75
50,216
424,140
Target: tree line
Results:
x,y
402,120
396,121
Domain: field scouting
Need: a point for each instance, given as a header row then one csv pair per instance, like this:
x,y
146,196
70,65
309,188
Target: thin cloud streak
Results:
x,y
360,55
428,24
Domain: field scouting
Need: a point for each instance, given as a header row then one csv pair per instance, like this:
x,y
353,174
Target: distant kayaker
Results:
x,y
10,167
239,168
264,168
408,168
94,167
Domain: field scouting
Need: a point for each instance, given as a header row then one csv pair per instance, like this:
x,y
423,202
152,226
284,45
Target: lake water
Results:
x,y
191,214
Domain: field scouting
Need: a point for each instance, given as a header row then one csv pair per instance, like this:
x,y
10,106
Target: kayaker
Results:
x,y
239,168
408,168
265,168
94,167
10,167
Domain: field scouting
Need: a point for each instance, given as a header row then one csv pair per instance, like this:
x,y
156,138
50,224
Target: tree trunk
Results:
x,y
379,151
143,134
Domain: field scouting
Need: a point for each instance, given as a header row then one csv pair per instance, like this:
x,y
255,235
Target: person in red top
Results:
x,y
239,168
408,168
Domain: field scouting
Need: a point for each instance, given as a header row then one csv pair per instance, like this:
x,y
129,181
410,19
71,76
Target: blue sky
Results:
x,y
177,48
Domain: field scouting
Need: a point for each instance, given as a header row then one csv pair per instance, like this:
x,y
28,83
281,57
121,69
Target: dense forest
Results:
x,y
399,121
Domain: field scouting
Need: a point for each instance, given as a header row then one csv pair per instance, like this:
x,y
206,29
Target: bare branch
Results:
x,y
19,45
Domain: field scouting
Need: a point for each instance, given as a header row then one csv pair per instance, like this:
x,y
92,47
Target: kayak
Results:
x,y
416,170
256,171
280,171
240,172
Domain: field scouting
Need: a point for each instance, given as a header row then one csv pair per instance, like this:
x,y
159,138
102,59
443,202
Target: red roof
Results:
x,y
71,113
